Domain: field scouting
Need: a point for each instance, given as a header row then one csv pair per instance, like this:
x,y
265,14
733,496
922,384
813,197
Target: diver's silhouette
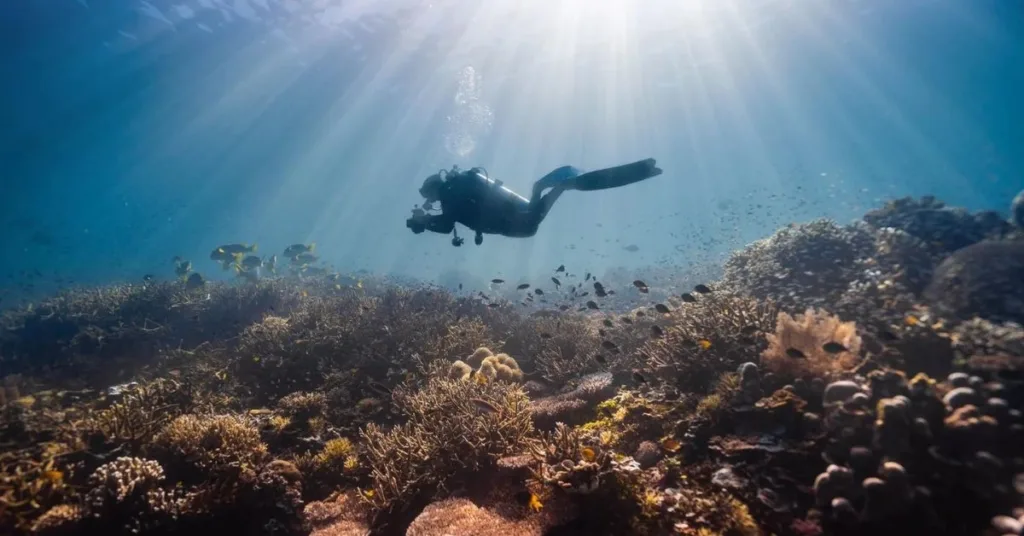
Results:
x,y
475,200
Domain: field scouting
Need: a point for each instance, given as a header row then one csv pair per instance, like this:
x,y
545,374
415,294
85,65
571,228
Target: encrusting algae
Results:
x,y
825,384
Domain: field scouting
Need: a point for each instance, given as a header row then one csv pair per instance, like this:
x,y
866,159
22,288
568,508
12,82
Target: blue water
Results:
x,y
137,131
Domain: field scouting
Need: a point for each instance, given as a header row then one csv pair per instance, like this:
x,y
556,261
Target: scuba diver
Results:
x,y
485,206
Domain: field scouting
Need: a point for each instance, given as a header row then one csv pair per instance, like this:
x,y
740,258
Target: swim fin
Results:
x,y
614,177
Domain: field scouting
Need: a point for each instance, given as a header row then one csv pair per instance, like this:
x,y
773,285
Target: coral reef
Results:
x,y
981,280
454,429
707,338
943,228
806,265
835,380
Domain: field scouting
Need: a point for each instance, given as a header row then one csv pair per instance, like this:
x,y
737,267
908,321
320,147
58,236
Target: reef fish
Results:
x,y
295,250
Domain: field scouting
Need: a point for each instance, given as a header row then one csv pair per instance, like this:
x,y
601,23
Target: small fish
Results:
x,y
483,406
704,344
639,284
53,476
833,347
601,332
662,308
588,454
271,264
229,251
703,289
639,378
147,278
657,332
497,281
748,330
670,444
592,304
687,297
795,354
640,313
587,277
563,307
380,388
524,286
600,359
561,268
609,345
608,323
493,305
911,320
556,281
545,335
295,250
627,320
538,292
632,248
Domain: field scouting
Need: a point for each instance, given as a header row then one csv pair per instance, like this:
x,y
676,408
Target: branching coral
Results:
x,y
453,428
303,406
139,412
569,464
801,265
799,346
124,326
336,464
29,483
561,348
211,444
377,338
707,338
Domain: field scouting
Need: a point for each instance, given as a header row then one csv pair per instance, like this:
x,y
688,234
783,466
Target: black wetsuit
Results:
x,y
485,206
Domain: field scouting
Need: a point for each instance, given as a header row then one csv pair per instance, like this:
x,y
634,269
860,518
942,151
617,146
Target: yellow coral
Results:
x,y
460,370
505,368
740,522
488,370
478,356
212,442
709,406
336,449
278,423
317,425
